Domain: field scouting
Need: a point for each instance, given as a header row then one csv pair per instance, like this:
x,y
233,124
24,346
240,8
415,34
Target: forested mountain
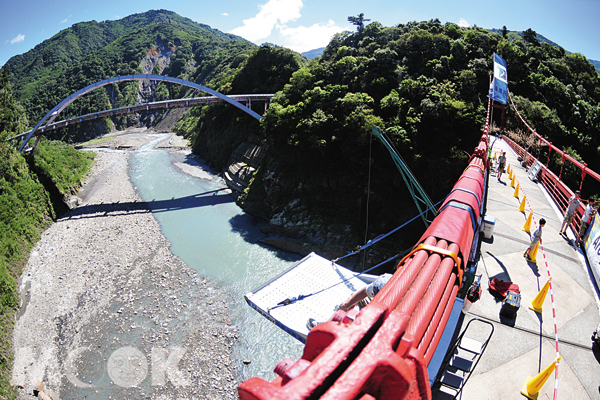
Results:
x,y
313,53
425,85
158,41
511,35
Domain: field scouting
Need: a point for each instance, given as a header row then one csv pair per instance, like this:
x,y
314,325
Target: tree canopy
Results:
x,y
359,21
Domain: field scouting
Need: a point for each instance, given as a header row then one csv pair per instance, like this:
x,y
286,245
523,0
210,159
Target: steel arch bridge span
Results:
x,y
52,114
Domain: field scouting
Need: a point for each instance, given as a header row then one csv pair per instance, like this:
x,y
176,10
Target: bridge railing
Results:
x,y
555,187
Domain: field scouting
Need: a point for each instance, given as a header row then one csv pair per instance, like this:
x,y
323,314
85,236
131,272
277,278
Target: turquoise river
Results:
x,y
212,235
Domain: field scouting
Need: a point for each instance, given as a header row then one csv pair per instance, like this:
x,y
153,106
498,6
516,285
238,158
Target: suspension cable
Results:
x,y
292,300
383,236
368,197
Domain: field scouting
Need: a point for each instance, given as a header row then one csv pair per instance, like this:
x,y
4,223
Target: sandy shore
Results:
x,y
109,312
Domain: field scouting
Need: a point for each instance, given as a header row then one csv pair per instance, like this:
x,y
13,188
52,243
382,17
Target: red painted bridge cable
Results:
x,y
437,332
415,293
436,318
423,315
391,294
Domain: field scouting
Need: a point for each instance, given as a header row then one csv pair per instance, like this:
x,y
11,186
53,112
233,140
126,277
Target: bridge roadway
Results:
x,y
175,103
523,347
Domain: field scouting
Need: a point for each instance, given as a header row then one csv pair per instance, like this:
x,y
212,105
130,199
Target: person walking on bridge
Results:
x,y
535,238
501,164
572,205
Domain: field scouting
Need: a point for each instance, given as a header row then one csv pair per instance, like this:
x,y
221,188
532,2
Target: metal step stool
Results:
x,y
460,362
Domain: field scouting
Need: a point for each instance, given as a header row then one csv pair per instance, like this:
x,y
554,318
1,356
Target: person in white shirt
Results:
x,y
368,291
588,215
571,207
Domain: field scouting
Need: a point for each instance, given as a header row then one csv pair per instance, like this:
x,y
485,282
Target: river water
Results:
x,y
212,235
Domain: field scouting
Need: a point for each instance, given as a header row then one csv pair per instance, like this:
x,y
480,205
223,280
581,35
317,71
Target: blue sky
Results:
x,y
307,24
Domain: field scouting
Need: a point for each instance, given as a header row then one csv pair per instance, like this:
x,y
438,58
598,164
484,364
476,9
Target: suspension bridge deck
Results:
x,y
522,347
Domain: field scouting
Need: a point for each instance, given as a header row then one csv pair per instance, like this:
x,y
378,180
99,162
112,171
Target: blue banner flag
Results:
x,y
499,86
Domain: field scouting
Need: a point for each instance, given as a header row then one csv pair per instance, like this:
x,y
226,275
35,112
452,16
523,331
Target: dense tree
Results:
x,y
266,70
424,84
530,37
359,21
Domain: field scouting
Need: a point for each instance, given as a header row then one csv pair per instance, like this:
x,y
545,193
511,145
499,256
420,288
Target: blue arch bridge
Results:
x,y
241,101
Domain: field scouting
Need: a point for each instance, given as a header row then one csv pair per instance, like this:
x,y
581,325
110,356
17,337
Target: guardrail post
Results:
x,y
583,173
562,165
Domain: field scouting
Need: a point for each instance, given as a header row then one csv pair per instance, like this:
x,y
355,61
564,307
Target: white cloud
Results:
x,y
17,39
66,19
271,22
271,14
225,14
303,38
463,22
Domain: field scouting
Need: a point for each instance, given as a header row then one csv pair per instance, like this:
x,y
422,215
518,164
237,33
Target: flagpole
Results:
x,y
492,116
496,137
499,83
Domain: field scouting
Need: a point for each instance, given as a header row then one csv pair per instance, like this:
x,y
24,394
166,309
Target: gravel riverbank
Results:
x,y
109,312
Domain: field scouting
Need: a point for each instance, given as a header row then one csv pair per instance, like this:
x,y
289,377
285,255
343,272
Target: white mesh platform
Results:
x,y
309,275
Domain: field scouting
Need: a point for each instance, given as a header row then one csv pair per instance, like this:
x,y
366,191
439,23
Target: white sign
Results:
x,y
592,247
534,170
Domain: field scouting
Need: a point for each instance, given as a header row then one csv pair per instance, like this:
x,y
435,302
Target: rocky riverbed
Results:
x,y
109,312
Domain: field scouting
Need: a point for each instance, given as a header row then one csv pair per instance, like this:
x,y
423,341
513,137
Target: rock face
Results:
x,y
295,230
243,164
73,202
109,312
155,62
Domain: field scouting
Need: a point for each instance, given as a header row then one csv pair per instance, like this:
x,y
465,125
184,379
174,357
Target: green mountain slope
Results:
x,y
31,190
425,85
156,41
518,35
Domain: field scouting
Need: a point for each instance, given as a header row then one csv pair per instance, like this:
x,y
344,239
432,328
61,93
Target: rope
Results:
x,y
292,300
383,236
368,195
